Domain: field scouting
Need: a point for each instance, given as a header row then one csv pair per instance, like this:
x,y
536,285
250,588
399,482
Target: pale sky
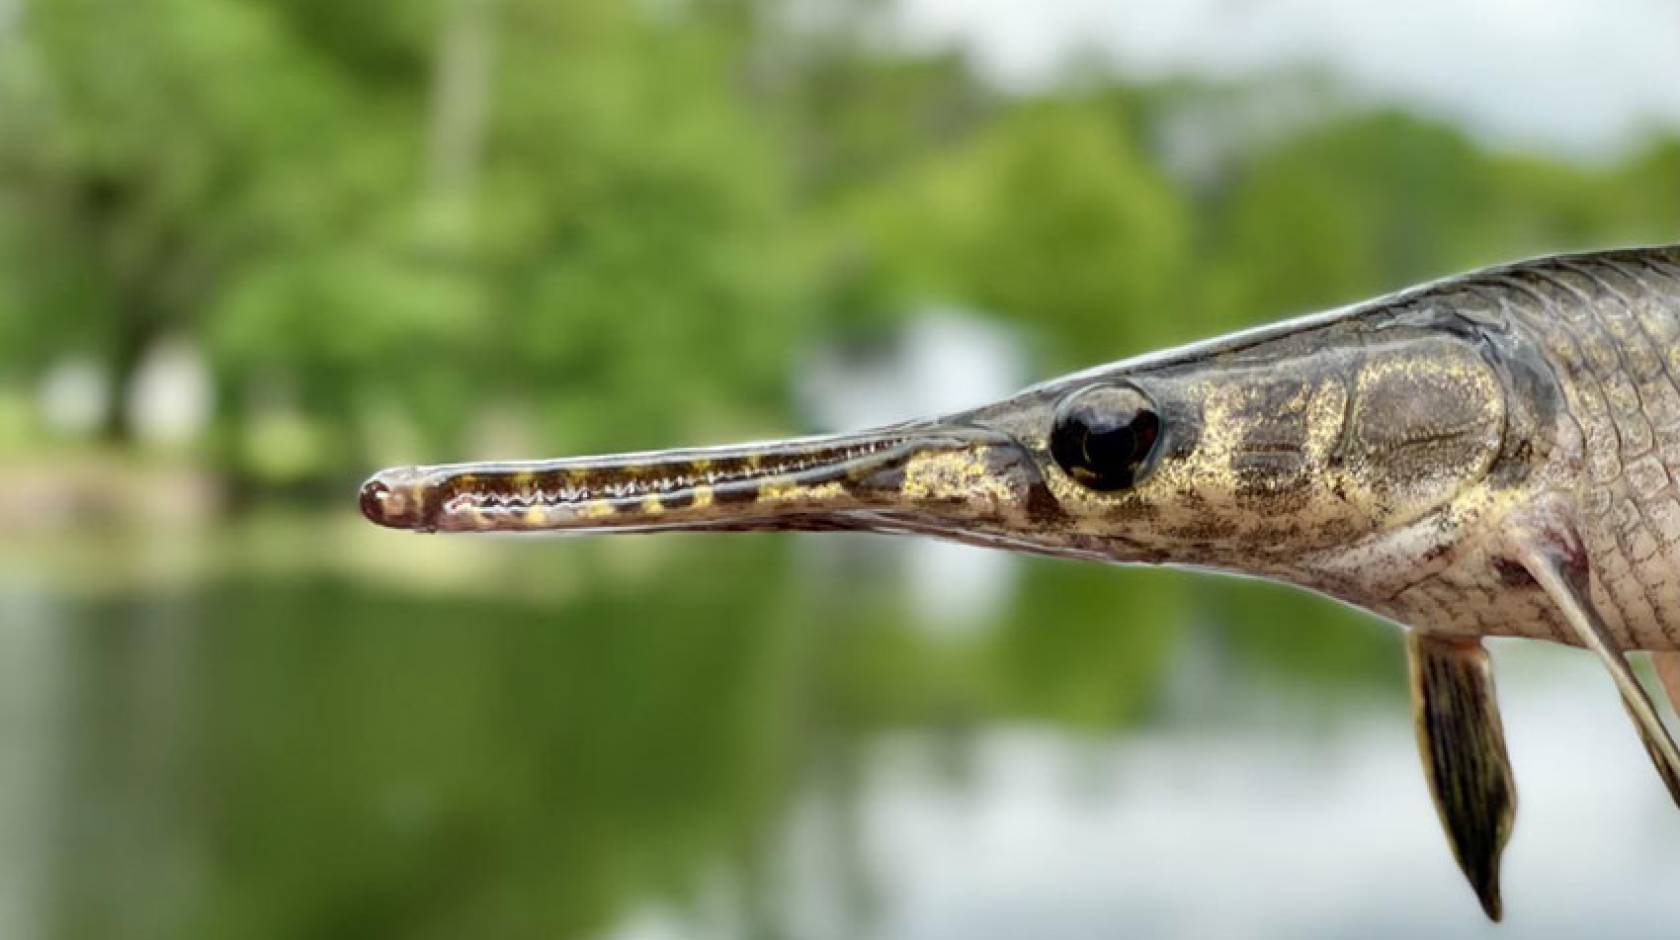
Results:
x,y
1580,77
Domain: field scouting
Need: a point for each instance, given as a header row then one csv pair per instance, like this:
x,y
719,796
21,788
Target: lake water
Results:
x,y
283,730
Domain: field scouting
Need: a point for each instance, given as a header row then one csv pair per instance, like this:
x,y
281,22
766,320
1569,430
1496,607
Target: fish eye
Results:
x,y
1105,436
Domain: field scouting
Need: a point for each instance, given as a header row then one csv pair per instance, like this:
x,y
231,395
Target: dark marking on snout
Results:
x,y
736,495
375,493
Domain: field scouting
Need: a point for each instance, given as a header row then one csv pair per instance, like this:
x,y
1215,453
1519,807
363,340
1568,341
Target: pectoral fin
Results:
x,y
1560,569
1462,745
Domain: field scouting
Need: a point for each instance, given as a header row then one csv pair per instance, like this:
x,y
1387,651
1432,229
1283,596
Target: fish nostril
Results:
x,y
374,494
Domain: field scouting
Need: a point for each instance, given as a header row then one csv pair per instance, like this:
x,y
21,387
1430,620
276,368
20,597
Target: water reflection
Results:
x,y
706,737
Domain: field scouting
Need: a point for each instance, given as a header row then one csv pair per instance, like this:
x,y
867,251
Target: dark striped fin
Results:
x,y
1462,744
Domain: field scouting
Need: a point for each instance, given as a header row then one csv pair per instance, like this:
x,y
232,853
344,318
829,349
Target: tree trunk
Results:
x,y
134,335
460,101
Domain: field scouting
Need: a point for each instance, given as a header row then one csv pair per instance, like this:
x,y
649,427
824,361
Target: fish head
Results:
x,y
1233,454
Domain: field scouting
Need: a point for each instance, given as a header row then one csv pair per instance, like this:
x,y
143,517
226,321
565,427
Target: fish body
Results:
x,y
1593,343
1493,454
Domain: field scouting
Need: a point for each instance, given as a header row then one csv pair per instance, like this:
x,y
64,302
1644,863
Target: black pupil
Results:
x,y
1103,438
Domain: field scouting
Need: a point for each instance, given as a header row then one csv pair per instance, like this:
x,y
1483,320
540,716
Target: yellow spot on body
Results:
x,y
652,506
703,497
954,475
1326,414
787,491
536,515
596,510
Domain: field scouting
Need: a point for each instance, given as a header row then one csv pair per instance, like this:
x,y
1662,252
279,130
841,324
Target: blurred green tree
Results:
x,y
1371,202
149,151
1050,218
1340,211
597,221
423,205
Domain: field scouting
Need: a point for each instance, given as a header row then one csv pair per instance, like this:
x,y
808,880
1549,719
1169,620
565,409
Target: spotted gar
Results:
x,y
1493,454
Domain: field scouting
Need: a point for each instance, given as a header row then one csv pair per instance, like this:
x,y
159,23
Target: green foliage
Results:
x,y
160,151
855,116
1086,646
1261,625
269,176
1343,211
1376,202
1050,218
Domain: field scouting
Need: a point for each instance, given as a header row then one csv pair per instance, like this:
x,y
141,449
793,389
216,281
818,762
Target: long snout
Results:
x,y
928,476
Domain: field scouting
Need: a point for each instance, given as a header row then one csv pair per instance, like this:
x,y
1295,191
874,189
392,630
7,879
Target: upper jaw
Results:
x,y
935,475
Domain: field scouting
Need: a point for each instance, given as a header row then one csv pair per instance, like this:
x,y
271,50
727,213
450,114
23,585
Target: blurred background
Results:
x,y
251,250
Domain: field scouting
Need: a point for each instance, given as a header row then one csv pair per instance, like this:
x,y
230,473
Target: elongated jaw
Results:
x,y
925,476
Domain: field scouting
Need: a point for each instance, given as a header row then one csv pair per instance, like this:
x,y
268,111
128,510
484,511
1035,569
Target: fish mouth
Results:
x,y
930,476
